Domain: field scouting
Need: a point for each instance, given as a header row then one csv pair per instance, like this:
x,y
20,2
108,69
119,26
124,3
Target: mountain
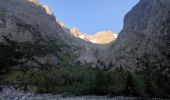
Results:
x,y
144,39
104,37
39,53
41,37
144,36
30,27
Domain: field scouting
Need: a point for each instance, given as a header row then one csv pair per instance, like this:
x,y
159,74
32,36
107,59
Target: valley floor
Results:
x,y
9,93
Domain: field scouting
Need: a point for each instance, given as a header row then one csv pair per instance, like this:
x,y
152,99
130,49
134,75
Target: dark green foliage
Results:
x,y
112,82
71,80
157,84
0,88
130,85
9,54
77,80
139,85
156,76
83,80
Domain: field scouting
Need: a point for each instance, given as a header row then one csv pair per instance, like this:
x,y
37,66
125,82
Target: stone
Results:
x,y
144,36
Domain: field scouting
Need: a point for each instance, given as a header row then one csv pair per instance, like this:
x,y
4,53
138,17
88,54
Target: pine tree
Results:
x,y
130,86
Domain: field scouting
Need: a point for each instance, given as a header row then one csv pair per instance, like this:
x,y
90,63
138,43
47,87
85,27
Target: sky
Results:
x,y
91,16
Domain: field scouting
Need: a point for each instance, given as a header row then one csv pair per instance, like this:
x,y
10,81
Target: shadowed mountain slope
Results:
x,y
143,41
27,22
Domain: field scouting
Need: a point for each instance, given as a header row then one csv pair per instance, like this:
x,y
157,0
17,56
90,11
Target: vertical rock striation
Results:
x,y
144,38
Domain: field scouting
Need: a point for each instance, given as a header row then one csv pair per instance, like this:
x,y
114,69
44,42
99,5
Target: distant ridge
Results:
x,y
103,37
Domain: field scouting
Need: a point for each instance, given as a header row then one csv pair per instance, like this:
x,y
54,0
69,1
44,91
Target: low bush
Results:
x,y
77,80
71,80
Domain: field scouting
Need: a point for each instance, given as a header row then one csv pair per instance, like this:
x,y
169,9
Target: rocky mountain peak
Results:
x,y
76,32
107,33
104,33
103,37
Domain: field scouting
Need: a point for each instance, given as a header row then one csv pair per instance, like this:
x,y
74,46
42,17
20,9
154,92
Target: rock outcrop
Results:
x,y
144,39
76,33
48,11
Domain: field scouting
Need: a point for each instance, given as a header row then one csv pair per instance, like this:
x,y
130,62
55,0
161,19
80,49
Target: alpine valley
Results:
x,y
40,56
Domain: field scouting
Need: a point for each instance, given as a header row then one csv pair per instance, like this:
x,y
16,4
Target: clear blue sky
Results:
x,y
91,16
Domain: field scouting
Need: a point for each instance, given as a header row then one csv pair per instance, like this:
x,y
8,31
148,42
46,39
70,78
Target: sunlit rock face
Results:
x,y
60,23
76,32
143,41
47,9
34,1
104,37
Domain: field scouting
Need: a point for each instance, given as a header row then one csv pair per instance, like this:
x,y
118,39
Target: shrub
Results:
x,y
77,80
111,82
73,80
83,80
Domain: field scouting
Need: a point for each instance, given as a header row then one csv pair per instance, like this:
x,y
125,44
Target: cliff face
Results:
x,y
27,22
144,38
31,20
143,41
30,25
44,38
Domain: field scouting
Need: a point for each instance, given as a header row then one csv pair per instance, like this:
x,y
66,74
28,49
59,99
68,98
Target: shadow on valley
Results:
x,y
41,55
75,79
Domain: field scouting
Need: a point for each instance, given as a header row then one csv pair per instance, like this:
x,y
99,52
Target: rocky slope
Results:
x,y
144,39
104,37
31,24
9,93
35,24
33,36
142,42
